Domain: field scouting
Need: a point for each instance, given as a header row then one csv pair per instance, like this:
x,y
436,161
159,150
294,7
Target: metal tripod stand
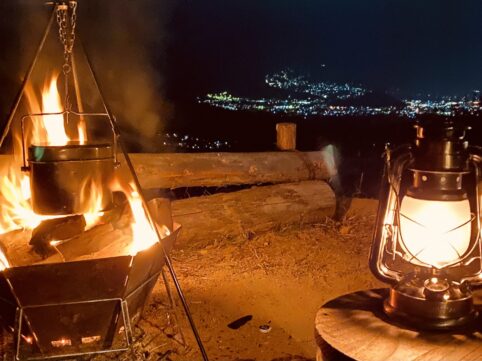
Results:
x,y
63,8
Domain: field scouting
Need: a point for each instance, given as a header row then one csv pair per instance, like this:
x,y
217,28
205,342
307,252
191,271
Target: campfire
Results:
x,y
68,186
80,248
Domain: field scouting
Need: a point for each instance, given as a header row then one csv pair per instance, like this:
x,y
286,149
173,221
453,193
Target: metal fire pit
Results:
x,y
75,308
62,177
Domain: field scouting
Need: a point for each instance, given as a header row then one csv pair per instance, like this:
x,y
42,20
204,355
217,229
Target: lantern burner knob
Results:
x,y
436,289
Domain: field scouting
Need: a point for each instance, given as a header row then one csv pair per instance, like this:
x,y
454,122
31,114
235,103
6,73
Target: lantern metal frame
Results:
x,y
439,166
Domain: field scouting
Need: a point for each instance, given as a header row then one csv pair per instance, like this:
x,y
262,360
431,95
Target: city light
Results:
x,y
310,98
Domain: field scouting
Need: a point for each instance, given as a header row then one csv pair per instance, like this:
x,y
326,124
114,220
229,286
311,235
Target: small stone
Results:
x,y
264,328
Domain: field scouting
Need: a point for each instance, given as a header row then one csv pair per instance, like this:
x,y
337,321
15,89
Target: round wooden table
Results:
x,y
354,327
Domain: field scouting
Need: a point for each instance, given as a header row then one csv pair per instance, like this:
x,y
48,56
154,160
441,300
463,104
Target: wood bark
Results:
x,y
249,211
174,170
286,136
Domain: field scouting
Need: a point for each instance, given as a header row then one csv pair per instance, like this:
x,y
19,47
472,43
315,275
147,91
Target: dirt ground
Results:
x,y
280,279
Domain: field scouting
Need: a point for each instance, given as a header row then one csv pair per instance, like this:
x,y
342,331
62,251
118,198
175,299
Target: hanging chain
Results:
x,y
67,38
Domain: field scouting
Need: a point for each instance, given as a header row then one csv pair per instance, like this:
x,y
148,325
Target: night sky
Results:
x,y
430,46
177,50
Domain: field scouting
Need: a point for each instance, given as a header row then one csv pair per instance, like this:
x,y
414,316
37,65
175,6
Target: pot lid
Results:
x,y
71,151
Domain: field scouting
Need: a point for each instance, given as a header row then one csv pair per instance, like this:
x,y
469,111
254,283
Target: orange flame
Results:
x,y
15,196
50,128
82,130
15,207
143,234
92,192
15,204
54,124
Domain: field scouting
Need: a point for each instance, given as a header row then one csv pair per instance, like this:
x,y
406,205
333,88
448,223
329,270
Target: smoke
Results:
x,y
125,41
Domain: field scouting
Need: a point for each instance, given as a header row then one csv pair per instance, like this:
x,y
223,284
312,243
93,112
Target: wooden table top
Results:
x,y
355,325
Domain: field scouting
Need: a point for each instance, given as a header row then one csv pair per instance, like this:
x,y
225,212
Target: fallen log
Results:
x,y
253,210
174,170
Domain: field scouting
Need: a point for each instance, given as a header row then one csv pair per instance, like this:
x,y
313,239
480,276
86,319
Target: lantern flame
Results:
x,y
435,233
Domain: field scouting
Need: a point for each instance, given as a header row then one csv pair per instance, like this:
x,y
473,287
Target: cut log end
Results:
x,y
286,136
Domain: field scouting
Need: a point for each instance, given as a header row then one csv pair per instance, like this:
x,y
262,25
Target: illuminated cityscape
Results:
x,y
176,141
309,98
288,80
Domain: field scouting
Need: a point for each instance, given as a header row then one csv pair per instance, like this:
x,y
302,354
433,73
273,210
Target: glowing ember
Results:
x,y
62,342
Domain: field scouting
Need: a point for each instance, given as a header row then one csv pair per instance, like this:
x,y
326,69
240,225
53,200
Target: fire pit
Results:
x,y
78,307
80,248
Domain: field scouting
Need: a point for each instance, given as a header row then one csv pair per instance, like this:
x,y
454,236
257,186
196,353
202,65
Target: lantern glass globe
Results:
x,y
435,233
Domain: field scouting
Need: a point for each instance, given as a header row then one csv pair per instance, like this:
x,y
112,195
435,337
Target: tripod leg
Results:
x,y
19,96
167,259
173,307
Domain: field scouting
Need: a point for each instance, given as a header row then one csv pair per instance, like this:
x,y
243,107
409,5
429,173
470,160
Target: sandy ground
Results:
x,y
279,278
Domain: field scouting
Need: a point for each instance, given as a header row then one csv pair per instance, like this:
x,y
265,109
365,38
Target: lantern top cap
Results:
x,y
440,128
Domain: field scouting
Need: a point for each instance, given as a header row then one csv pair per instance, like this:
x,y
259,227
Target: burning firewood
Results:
x,y
116,214
16,248
71,230
57,229
111,237
89,242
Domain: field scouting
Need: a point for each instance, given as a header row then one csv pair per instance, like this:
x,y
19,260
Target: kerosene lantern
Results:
x,y
427,239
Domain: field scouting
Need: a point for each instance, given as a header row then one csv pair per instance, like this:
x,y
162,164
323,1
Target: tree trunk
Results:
x,y
174,170
249,211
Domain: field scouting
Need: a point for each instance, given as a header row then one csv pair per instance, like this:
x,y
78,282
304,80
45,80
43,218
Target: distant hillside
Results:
x,y
374,99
